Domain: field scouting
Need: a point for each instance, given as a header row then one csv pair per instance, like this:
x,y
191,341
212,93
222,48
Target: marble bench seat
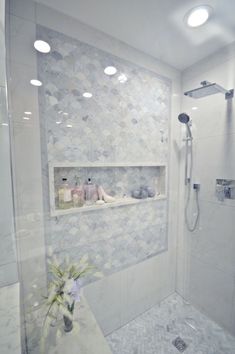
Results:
x,y
10,342
89,339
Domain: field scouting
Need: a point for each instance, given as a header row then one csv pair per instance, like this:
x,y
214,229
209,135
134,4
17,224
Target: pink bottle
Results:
x,y
78,196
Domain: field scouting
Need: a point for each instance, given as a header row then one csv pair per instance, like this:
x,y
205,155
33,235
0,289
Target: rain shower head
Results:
x,y
208,89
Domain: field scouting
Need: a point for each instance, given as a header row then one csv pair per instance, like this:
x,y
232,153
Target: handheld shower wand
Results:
x,y
185,119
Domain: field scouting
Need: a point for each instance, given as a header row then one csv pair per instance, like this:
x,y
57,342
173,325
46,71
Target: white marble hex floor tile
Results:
x,y
154,331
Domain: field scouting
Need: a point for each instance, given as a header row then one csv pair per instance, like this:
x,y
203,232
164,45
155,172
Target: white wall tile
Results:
x,y
145,283
217,153
120,297
106,299
206,257
212,291
214,241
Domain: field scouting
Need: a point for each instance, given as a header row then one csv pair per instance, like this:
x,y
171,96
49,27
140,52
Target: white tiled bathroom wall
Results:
x,y
206,271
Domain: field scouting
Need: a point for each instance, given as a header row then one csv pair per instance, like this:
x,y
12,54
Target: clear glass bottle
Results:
x,y
78,194
65,196
91,194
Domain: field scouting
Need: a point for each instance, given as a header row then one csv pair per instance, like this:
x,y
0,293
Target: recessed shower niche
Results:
x,y
77,188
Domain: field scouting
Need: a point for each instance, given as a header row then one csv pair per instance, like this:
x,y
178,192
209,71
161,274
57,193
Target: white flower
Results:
x,y
68,286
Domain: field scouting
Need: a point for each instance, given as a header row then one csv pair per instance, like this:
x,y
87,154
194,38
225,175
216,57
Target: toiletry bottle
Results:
x,y
91,195
78,195
65,197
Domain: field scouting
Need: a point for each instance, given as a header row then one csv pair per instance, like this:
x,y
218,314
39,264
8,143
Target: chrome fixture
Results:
x,y
185,119
208,89
180,344
225,189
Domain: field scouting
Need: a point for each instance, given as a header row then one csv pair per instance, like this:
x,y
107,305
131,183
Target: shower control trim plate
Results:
x,y
180,344
225,189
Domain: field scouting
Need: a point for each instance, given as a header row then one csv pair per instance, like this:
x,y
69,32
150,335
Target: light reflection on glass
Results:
x,y
35,82
87,94
42,46
122,78
110,70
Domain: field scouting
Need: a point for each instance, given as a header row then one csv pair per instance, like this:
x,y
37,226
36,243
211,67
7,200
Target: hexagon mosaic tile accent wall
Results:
x,y
126,121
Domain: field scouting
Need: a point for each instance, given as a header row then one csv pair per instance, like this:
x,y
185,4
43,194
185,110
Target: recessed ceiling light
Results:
x,y
69,126
42,46
58,122
198,16
29,113
26,118
87,94
35,82
110,70
194,108
5,124
65,114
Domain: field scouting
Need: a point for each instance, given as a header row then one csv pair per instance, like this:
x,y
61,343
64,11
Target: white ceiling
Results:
x,y
157,27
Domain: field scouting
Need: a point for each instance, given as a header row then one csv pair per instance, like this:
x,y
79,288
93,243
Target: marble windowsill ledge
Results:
x,y
89,339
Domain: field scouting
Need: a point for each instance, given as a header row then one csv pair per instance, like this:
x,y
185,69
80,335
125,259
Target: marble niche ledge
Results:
x,y
108,175
88,339
117,203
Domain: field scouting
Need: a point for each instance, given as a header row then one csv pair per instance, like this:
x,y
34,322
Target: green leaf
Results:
x,y
72,307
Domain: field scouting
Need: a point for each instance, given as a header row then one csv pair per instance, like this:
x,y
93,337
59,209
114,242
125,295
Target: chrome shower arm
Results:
x,y
208,89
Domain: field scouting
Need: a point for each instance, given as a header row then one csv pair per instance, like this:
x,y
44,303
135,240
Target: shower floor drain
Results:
x,y
179,344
